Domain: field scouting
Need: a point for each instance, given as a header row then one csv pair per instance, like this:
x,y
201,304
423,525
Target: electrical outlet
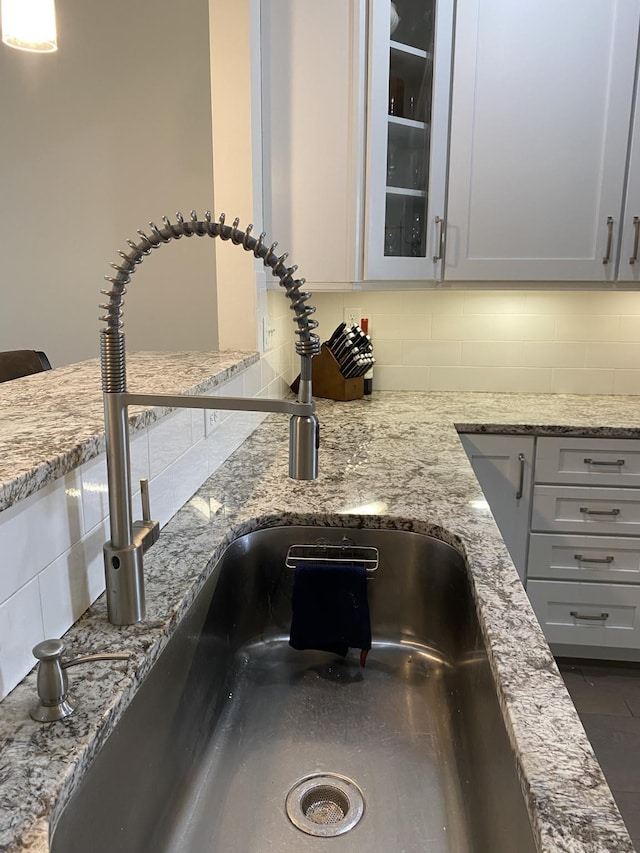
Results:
x,y
215,418
268,333
352,316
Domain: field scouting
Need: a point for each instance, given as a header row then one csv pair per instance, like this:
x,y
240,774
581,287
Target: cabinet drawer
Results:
x,y
613,559
572,509
591,614
597,461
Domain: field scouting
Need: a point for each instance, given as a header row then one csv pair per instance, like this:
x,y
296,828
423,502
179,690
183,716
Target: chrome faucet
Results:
x,y
123,552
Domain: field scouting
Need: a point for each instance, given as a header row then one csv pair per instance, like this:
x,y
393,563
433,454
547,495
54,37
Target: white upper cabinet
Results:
x,y
354,135
541,109
629,264
313,66
409,62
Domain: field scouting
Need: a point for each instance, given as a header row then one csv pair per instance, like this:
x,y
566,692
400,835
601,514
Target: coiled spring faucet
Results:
x,y
123,553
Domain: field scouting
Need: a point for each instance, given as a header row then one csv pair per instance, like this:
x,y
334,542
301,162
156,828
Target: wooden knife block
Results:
x,y
328,382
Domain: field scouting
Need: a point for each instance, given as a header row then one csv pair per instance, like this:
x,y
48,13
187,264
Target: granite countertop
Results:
x,y
393,460
53,421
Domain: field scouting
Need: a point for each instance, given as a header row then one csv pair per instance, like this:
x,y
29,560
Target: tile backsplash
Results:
x,y
51,542
582,342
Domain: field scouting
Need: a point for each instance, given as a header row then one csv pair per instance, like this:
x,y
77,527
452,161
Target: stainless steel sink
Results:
x,y
235,740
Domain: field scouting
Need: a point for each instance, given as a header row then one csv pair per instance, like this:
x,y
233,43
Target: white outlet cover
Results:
x,y
352,316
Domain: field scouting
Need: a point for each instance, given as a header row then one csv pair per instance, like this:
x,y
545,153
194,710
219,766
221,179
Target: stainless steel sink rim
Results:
x,y
325,804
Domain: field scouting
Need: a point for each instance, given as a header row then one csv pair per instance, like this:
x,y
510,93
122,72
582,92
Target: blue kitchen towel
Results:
x,y
330,609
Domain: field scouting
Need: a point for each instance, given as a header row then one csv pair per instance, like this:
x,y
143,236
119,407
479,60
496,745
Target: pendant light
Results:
x,y
29,25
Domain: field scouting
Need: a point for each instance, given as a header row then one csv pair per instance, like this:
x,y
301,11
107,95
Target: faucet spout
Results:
x,y
123,552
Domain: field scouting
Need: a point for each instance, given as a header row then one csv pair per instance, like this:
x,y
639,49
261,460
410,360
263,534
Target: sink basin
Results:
x,y
237,743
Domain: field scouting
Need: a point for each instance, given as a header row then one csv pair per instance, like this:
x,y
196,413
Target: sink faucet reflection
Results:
x,y
123,552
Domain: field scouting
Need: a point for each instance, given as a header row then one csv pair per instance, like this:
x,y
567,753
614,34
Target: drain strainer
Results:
x,y
325,804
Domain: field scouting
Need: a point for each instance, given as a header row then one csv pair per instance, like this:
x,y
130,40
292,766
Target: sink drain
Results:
x,y
325,804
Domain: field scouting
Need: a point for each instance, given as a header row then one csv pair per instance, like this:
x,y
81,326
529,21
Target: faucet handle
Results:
x,y
54,701
147,531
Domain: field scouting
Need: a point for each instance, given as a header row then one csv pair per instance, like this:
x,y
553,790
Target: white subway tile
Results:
x,y
35,531
228,438
252,380
628,329
139,452
494,302
492,353
375,301
463,327
70,584
268,369
431,352
95,492
624,303
399,327
497,379
233,388
20,629
616,355
523,354
552,354
408,378
189,472
585,381
559,302
446,302
161,496
387,352
524,327
588,327
198,417
168,439
416,302
626,382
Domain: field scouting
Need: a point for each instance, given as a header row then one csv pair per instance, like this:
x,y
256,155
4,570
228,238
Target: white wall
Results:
x,y
583,342
111,131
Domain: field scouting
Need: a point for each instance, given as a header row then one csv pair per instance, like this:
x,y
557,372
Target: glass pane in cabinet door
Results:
x,y
410,94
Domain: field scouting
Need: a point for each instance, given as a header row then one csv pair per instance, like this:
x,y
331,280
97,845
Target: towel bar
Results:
x,y
345,551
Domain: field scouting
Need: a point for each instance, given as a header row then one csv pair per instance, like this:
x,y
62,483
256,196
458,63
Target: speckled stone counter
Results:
x,y
52,422
390,461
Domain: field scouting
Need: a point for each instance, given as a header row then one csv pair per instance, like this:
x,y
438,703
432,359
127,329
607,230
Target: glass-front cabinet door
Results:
x,y
409,68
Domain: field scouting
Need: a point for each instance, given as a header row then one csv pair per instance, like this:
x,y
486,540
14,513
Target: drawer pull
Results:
x,y
521,482
618,463
588,511
588,617
582,559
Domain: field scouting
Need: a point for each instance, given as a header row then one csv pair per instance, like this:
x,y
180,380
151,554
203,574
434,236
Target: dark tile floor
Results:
x,y
607,698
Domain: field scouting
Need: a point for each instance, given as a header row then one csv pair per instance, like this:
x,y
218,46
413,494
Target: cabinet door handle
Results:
x,y
588,617
582,559
607,255
588,511
636,237
521,481
439,235
617,462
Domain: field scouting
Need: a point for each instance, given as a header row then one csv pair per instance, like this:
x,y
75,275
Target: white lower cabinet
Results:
x,y
503,466
583,568
602,616
607,559
586,509
573,533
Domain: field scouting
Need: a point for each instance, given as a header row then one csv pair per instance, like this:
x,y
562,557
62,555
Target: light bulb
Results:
x,y
29,25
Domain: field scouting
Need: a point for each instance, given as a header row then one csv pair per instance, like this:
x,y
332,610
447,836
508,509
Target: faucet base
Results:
x,y
125,582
